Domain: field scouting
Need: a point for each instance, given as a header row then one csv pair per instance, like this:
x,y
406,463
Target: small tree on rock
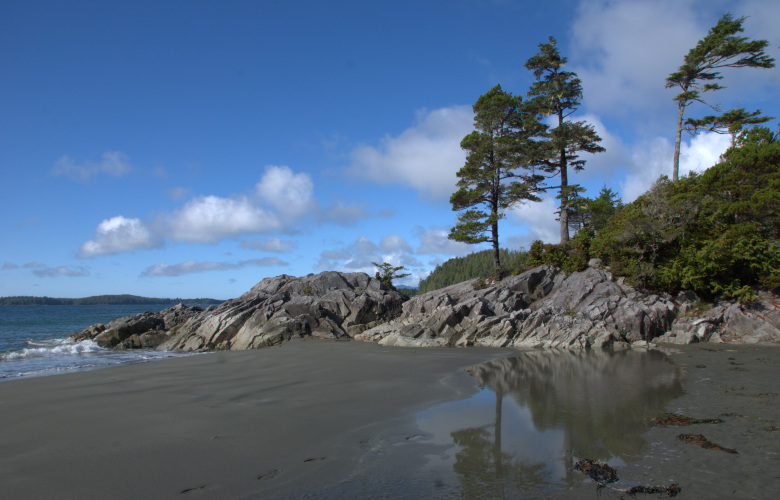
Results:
x,y
387,273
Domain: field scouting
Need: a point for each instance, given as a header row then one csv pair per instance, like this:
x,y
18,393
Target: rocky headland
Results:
x,y
542,307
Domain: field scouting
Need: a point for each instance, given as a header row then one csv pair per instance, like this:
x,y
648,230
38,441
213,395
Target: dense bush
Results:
x,y
570,256
715,233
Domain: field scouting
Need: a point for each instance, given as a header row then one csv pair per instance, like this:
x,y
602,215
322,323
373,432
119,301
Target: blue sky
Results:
x,y
192,148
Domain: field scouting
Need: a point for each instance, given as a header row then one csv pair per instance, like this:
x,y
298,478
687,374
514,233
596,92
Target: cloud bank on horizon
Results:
x,y
221,193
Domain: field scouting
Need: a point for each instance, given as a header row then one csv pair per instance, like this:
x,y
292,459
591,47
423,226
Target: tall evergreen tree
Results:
x,y
498,149
558,93
721,48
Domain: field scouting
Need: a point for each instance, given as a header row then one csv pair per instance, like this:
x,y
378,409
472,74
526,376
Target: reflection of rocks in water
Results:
x,y
602,401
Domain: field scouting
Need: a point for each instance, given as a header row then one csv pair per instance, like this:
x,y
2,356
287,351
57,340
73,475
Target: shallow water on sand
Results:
x,y
534,416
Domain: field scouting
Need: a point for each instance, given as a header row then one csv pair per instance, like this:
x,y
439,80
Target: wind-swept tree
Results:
x,y
558,93
721,48
490,181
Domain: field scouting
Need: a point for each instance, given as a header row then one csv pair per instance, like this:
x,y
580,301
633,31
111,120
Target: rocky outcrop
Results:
x,y
327,305
539,308
758,322
145,330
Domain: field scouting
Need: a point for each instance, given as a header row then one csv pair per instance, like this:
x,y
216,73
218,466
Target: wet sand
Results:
x,y
740,384
272,423
307,418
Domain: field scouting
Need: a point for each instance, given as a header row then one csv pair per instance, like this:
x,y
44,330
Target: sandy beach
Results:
x,y
271,423
307,418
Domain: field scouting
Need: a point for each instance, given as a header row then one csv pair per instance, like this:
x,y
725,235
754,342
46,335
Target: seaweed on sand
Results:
x,y
703,442
674,419
598,471
671,490
603,474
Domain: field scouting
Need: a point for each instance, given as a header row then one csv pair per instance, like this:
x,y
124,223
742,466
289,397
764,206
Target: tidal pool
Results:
x,y
536,414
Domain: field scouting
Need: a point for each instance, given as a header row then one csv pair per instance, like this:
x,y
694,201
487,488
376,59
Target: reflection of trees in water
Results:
x,y
603,403
485,470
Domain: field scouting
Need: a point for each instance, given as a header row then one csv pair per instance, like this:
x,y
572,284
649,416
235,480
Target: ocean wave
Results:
x,y
52,349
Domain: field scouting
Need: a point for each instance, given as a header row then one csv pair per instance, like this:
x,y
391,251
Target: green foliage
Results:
x,y
475,265
714,233
559,93
409,292
570,256
490,181
593,214
387,273
721,48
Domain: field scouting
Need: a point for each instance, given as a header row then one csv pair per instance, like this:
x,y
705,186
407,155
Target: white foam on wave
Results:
x,y
53,349
57,356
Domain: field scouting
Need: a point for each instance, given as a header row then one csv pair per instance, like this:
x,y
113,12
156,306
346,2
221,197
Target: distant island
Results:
x,y
124,299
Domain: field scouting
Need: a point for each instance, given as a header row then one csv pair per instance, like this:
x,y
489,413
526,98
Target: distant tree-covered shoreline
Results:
x,y
124,299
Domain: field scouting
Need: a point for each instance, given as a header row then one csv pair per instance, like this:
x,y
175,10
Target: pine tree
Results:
x,y
558,93
497,150
721,48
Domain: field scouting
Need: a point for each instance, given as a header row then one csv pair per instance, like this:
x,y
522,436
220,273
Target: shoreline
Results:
x,y
275,422
310,416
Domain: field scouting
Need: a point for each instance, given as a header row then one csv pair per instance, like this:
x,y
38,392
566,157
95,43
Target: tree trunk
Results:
x,y
677,140
494,228
564,200
496,254
564,185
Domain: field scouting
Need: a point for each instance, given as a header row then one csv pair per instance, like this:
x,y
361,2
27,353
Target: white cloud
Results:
x,y
191,266
394,243
112,163
271,244
116,235
624,51
207,219
436,241
653,159
425,156
537,221
341,214
287,192
280,200
44,271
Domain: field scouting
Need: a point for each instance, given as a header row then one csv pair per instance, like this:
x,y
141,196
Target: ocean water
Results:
x,y
34,339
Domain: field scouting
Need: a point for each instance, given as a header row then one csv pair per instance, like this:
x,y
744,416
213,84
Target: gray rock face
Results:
x,y
539,308
326,305
145,330
726,322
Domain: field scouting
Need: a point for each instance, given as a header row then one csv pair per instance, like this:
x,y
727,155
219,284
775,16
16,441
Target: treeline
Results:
x,y
475,265
101,300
